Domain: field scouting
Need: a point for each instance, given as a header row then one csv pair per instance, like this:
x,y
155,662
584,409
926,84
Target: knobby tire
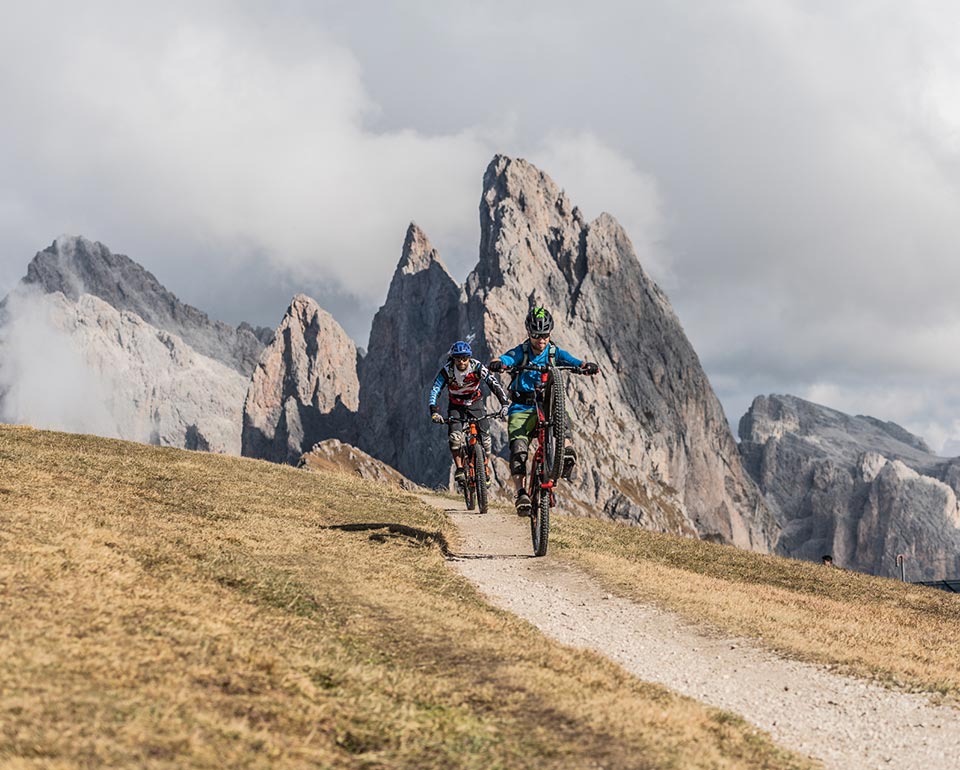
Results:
x,y
480,475
556,431
468,494
540,520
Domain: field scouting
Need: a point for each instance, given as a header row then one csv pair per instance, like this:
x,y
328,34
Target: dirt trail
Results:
x,y
844,722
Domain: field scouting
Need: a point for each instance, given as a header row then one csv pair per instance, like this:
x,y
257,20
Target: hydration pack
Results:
x,y
551,360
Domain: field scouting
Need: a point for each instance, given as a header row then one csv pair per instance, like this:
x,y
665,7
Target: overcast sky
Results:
x,y
788,171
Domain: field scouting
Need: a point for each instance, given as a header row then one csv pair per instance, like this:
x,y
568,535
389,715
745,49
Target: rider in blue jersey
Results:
x,y
522,415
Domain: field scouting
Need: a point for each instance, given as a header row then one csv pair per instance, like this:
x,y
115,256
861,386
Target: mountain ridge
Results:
x,y
655,446
74,265
864,490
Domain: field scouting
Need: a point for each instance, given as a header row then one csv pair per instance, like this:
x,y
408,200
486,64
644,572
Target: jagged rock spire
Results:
x,y
654,442
418,253
408,340
305,387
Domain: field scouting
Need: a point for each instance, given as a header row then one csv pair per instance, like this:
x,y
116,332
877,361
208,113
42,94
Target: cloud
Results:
x,y
789,170
600,179
44,380
243,143
212,132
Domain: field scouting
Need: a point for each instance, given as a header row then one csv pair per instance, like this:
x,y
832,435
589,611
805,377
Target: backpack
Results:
x,y
551,361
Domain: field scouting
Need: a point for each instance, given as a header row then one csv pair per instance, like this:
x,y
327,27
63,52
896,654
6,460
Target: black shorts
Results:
x,y
457,416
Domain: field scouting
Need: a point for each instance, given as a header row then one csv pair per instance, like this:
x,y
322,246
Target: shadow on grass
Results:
x,y
421,536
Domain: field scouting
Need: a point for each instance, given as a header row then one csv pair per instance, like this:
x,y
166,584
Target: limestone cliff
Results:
x,y
410,336
85,366
74,265
304,389
859,488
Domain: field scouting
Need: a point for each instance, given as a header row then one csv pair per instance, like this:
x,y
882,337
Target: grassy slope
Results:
x,y
897,633
164,608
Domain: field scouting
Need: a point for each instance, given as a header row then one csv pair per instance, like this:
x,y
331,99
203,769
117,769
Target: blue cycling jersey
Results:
x,y
526,382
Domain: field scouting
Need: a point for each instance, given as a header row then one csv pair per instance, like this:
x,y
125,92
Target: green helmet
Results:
x,y
539,321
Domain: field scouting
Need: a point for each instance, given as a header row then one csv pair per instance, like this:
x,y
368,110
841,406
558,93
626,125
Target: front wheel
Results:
x,y
556,431
479,477
468,494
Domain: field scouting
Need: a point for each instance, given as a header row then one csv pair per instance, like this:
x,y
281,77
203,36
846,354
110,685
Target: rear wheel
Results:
x,y
540,520
480,475
556,431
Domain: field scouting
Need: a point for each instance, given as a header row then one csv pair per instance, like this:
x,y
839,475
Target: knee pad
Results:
x,y
518,463
457,440
519,445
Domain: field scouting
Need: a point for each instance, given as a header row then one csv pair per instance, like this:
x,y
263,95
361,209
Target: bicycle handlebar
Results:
x,y
468,419
543,368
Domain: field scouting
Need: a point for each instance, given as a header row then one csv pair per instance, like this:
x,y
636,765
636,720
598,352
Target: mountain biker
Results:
x,y
522,415
462,375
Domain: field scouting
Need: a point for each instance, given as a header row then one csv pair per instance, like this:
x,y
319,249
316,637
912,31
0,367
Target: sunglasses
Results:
x,y
539,336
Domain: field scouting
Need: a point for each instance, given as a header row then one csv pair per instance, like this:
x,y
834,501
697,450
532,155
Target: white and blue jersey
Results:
x,y
524,383
464,387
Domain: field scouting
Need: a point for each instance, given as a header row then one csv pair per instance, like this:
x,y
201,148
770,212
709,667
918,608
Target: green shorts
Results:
x,y
521,426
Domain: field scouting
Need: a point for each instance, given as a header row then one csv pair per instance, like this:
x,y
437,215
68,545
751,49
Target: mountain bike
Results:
x,y
547,463
472,456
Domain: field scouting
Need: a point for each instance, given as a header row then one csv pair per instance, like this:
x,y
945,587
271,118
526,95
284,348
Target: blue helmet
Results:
x,y
460,349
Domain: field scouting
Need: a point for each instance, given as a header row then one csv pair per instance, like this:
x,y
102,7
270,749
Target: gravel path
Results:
x,y
843,722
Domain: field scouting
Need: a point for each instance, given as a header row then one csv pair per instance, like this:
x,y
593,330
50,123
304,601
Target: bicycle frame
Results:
x,y
543,496
537,466
474,487
542,422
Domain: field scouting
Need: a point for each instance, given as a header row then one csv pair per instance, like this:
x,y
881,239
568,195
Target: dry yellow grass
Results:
x,y
900,634
169,609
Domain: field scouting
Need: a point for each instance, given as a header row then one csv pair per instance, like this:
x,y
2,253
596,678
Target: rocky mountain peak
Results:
x,y
898,432
408,340
640,422
769,417
859,488
835,433
418,253
517,182
82,365
74,265
305,387
521,205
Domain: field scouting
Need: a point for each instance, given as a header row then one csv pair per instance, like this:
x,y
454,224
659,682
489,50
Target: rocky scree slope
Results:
x,y
336,456
858,488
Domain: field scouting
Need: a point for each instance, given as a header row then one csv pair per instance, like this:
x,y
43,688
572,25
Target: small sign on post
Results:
x,y
900,560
